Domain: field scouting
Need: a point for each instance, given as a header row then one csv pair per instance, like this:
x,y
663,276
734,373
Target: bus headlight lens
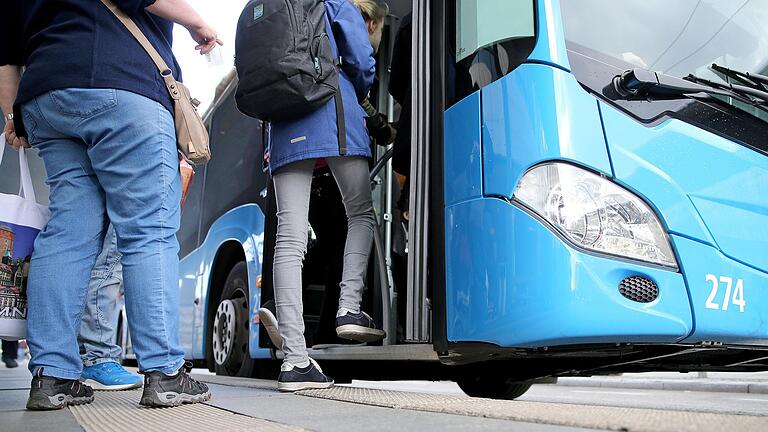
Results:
x,y
595,213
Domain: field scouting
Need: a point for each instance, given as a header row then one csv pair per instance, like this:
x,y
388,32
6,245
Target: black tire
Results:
x,y
237,361
493,386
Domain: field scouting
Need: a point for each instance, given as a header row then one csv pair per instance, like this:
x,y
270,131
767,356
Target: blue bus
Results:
x,y
588,195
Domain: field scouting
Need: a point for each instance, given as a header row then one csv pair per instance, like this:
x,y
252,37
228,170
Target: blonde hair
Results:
x,y
372,10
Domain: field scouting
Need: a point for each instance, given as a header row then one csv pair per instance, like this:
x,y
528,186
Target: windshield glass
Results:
x,y
678,38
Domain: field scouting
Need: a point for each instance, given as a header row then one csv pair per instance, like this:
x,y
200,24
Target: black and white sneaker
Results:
x,y
49,393
161,390
268,318
293,378
358,327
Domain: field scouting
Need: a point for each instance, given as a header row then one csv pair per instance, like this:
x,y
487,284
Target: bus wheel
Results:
x,y
493,387
229,338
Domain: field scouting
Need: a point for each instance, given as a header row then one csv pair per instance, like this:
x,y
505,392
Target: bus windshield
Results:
x,y
677,38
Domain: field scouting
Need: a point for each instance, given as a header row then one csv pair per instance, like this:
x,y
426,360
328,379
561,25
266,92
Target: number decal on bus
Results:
x,y
738,293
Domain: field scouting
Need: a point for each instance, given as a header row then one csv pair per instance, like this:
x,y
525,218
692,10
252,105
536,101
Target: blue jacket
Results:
x,y
315,135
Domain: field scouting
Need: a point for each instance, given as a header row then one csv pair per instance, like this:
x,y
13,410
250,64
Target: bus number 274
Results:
x,y
738,293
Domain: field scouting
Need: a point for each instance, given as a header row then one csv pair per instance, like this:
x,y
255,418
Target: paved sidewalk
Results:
x,y
732,382
242,404
238,404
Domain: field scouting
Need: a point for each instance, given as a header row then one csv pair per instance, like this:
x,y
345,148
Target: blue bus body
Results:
x,y
538,290
513,281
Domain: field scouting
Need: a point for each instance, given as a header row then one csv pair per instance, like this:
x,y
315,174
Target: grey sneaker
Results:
x,y
50,393
358,327
161,390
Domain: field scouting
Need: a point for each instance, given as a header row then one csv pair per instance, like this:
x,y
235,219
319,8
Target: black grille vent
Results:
x,y
639,289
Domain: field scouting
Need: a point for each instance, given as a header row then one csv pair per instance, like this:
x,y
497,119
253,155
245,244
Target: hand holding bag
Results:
x,y
191,134
21,219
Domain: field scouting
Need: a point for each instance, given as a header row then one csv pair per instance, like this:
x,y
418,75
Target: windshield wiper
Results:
x,y
754,80
642,84
759,97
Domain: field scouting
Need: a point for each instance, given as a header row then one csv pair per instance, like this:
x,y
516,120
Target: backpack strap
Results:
x,y
341,125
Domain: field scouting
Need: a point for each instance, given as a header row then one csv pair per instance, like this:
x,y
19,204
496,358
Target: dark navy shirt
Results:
x,y
80,44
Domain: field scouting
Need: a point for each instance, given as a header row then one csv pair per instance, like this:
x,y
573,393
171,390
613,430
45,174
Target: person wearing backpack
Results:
x,y
94,104
296,145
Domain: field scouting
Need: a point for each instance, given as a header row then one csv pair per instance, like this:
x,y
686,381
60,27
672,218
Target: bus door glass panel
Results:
x,y
486,40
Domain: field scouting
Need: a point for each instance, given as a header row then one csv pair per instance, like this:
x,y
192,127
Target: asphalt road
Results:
x,y
705,402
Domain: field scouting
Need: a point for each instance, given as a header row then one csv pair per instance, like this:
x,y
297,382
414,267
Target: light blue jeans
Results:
x,y
98,335
110,155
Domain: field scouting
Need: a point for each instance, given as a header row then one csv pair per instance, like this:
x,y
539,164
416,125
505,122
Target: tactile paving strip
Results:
x,y
595,417
121,412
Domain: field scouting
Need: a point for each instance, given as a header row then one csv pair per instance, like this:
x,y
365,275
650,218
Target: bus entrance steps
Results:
x,y
120,412
591,417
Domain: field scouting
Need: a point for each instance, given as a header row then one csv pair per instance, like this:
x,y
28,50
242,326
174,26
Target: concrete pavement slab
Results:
x,y
689,384
15,418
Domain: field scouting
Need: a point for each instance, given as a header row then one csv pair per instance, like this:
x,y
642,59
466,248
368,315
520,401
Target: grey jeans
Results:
x,y
293,185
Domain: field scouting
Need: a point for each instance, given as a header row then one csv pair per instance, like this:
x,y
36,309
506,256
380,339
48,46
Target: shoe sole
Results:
x,y
154,399
55,402
116,387
359,333
269,321
298,386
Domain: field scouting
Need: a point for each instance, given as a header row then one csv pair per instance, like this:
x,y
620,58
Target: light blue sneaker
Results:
x,y
110,376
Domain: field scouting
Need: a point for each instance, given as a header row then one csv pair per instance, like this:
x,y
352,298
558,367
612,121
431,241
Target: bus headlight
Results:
x,y
595,213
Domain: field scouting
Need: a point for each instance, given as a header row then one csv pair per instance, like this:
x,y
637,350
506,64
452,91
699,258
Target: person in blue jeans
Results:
x,y
93,103
98,331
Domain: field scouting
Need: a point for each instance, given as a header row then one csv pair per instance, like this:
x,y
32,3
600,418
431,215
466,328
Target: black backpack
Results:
x,y
285,63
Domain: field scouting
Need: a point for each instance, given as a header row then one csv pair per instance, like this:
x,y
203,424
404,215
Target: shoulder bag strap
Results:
x,y
165,72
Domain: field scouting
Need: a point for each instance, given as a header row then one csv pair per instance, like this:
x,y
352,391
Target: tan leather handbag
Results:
x,y
191,134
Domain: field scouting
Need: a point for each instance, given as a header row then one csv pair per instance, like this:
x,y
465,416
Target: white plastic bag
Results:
x,y
21,219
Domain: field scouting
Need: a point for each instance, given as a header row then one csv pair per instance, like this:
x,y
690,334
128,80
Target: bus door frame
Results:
x,y
426,229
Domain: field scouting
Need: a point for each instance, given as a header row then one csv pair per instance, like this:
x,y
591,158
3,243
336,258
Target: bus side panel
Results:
x,y
463,156
244,224
730,300
512,282
191,324
538,113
